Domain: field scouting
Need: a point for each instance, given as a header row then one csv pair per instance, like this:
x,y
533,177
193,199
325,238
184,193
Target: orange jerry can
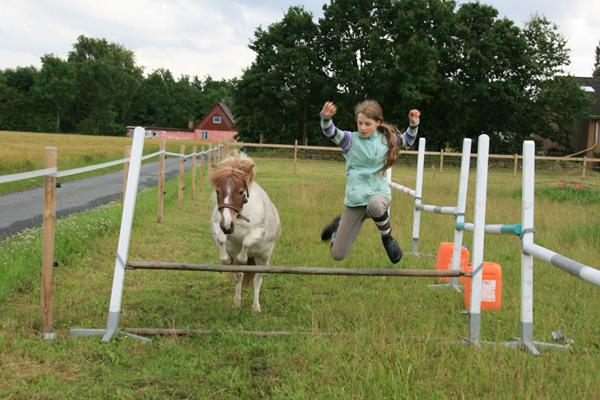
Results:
x,y
444,258
491,287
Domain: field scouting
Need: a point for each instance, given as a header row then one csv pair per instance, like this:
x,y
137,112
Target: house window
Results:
x,y
216,119
204,134
588,89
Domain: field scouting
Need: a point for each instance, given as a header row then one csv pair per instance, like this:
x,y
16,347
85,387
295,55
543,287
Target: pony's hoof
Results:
x,y
256,308
226,261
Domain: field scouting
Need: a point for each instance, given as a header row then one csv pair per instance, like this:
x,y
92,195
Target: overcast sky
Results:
x,y
210,37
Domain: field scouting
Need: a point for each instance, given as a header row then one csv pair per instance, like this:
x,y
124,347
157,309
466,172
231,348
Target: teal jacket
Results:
x,y
365,158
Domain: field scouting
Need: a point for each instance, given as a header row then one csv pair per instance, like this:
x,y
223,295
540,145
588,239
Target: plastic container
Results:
x,y
491,287
444,258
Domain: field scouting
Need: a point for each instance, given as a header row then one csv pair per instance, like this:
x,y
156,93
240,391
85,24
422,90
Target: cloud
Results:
x,y
211,37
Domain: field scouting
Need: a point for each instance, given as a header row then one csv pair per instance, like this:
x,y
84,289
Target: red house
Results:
x,y
217,126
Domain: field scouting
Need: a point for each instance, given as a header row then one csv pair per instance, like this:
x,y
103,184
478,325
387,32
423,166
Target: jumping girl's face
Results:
x,y
366,126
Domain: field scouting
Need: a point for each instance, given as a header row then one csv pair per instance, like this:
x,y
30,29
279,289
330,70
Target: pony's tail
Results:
x,y
248,276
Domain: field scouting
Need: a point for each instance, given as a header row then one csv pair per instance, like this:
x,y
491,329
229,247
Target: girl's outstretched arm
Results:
x,y
339,137
407,138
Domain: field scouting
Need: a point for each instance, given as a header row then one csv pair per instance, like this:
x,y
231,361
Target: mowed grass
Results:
x,y
353,338
25,151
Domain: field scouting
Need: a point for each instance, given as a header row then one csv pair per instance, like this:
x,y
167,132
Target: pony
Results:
x,y
245,223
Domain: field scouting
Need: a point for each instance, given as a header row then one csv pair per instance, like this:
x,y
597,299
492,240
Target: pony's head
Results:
x,y
231,179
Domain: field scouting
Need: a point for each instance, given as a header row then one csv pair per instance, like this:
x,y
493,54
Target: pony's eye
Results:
x,y
241,192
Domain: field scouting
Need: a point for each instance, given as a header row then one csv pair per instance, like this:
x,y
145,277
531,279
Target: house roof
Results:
x,y
591,86
227,111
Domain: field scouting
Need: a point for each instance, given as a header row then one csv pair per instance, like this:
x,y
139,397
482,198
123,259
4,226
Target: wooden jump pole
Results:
x,y
181,176
160,207
294,270
48,246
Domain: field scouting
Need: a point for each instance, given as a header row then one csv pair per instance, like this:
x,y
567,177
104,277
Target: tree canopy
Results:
x,y
468,71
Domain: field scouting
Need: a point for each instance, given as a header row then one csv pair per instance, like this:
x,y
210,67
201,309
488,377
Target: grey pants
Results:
x,y
351,222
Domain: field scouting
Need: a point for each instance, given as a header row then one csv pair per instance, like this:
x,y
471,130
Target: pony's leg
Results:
x,y
237,298
255,236
220,238
256,300
260,260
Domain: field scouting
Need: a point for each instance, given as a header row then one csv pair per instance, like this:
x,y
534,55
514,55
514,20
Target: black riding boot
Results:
x,y
330,229
392,248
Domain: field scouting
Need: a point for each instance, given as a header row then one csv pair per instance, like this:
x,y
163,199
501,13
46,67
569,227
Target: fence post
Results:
x,y
126,169
160,207
584,167
48,246
202,169
516,165
261,139
181,175
194,172
442,161
295,154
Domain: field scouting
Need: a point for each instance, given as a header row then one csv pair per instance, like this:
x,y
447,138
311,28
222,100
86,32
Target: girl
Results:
x,y
368,153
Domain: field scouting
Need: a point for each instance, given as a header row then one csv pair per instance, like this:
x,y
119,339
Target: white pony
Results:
x,y
245,224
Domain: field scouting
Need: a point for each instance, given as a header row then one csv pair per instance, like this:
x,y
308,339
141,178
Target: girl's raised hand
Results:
x,y
413,116
329,109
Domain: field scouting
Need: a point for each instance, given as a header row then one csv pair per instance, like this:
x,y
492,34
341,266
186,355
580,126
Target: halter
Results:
x,y
233,207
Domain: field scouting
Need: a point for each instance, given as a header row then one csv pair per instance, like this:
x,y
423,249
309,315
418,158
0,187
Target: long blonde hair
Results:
x,y
371,109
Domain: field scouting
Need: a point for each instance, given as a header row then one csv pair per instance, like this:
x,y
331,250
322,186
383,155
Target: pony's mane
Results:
x,y
236,164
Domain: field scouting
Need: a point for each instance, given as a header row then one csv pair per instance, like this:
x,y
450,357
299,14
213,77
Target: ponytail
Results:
x,y
390,131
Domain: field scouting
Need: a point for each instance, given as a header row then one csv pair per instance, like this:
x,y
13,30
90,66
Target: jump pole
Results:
x,y
294,270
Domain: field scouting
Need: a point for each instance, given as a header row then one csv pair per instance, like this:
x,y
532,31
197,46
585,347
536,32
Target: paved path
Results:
x,y
22,210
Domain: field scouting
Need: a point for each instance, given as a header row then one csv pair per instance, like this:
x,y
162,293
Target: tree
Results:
x,y
596,73
18,111
107,81
279,94
56,87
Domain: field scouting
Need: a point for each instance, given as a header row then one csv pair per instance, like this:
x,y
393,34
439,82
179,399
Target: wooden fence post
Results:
x,y
584,167
202,169
194,172
295,154
516,165
48,246
181,175
441,161
160,207
126,169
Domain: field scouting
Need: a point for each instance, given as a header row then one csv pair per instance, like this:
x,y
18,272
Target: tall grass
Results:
x,y
352,337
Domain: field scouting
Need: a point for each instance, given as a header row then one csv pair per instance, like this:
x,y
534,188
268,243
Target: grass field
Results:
x,y
24,151
354,337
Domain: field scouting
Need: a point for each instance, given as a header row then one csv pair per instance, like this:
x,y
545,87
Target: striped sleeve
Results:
x,y
407,138
339,137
